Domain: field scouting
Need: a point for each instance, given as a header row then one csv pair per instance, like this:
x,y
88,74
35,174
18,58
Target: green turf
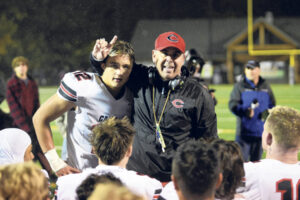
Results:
x,y
284,94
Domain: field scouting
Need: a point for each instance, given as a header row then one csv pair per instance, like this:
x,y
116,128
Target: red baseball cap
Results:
x,y
170,39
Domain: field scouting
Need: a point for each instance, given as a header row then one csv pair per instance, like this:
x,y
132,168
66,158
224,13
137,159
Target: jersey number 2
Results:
x,y
82,75
285,187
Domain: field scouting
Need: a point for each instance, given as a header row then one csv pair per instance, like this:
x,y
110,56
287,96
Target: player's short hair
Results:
x,y
196,168
112,138
18,60
111,191
85,189
232,167
284,123
23,181
122,48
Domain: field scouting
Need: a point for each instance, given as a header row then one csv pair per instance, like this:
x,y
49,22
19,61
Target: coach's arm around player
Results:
x,y
49,111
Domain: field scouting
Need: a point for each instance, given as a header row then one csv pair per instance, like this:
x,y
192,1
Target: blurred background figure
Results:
x,y
23,181
194,62
22,97
15,146
250,100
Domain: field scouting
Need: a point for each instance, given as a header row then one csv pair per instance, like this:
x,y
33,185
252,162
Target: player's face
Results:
x,y
252,73
168,62
28,156
116,71
21,70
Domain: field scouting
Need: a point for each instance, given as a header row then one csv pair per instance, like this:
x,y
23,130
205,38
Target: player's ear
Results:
x,y
154,56
129,151
219,181
93,150
269,139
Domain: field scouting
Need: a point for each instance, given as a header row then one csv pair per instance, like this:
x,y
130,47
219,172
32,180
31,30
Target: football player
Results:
x,y
90,98
277,176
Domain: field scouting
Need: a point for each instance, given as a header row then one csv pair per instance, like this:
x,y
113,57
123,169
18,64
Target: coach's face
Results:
x,y
116,71
168,62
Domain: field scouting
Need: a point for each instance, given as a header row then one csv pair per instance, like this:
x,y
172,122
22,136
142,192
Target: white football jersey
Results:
x,y
138,184
94,104
271,179
169,192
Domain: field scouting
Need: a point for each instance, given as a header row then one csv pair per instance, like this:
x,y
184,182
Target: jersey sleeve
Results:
x,y
68,85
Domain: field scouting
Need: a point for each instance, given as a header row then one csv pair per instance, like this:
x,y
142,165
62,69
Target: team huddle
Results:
x,y
151,132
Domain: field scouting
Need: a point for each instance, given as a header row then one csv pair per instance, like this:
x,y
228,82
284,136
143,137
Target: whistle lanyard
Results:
x,y
158,133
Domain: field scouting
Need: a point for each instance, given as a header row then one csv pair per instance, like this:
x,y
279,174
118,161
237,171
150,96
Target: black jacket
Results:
x,y
189,114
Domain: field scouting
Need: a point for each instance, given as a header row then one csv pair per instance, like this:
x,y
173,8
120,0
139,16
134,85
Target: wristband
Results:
x,y
56,163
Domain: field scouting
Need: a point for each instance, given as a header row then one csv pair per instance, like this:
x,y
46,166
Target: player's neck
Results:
x,y
288,156
121,164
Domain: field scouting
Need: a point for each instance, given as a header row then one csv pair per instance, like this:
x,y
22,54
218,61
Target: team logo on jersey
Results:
x,y
178,103
102,118
172,38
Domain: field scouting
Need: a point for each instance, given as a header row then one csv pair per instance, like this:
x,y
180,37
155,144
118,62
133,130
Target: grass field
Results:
x,y
284,94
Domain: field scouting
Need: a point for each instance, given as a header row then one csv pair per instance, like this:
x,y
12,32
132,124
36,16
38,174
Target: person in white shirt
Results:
x,y
90,98
277,176
112,142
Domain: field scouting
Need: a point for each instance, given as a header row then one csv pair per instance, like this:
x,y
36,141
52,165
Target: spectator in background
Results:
x,y
194,62
23,181
250,100
85,189
22,97
277,176
112,142
15,146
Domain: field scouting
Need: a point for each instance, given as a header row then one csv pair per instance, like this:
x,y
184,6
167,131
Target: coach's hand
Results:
x,y
67,170
102,48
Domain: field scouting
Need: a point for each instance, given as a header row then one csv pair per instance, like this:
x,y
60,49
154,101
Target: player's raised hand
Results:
x,y
102,48
67,170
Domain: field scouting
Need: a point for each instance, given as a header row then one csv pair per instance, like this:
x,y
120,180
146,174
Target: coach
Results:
x,y
169,107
